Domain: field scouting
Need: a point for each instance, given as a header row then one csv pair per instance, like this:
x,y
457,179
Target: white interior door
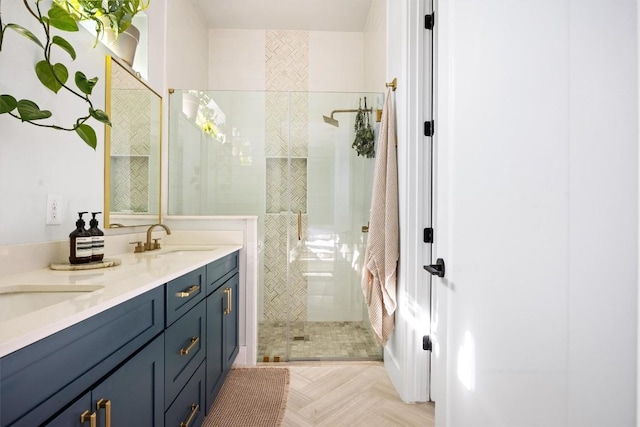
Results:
x,y
536,213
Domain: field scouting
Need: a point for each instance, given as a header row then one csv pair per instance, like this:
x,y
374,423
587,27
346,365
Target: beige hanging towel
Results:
x,y
383,248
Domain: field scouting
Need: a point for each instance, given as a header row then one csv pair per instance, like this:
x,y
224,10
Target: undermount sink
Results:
x,y
183,251
18,300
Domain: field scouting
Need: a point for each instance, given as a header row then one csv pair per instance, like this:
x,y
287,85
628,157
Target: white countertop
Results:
x,y
137,274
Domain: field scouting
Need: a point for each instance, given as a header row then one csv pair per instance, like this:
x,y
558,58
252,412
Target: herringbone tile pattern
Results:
x,y
277,189
280,299
287,60
351,394
130,177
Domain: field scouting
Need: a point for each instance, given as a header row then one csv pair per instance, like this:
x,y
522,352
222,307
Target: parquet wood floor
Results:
x,y
348,394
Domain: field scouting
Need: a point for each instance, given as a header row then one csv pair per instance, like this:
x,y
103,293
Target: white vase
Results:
x,y
190,105
124,46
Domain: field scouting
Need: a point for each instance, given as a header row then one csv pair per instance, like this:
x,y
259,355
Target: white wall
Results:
x,y
236,60
187,44
336,61
375,47
35,162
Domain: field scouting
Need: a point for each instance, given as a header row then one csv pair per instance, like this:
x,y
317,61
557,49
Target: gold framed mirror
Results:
x,y
133,149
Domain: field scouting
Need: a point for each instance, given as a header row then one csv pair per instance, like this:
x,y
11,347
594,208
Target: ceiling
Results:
x,y
309,15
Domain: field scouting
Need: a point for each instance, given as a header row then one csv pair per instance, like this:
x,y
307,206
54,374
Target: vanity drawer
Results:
x,y
40,379
220,271
184,350
188,408
184,293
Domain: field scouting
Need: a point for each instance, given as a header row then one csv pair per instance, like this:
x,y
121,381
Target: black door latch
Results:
x,y
436,269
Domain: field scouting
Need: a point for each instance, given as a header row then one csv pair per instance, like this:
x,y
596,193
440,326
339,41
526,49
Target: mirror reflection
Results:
x,y
132,149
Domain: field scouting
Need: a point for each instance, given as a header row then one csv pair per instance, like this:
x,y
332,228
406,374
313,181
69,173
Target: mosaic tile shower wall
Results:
x,y
286,148
278,228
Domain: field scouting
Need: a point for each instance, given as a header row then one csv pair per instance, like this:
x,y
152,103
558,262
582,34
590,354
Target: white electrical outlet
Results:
x,y
55,210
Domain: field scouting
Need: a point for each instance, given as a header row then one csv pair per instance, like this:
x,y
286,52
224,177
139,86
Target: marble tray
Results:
x,y
107,262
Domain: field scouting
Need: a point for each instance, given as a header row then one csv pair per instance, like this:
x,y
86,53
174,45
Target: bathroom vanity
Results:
x,y
149,346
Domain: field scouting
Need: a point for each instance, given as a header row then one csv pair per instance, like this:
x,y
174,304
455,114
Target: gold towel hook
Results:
x,y
393,85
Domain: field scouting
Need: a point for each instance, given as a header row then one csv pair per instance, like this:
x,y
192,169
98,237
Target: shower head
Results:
x,y
331,120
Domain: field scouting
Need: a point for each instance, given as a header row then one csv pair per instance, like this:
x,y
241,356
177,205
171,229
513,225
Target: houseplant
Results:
x,y
112,18
53,75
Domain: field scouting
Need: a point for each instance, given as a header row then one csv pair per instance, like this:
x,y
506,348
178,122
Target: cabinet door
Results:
x,y
134,392
216,305
230,345
185,343
189,407
71,416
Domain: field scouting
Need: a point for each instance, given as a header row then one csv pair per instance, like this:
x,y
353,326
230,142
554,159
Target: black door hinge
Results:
x,y
426,343
429,128
429,20
428,235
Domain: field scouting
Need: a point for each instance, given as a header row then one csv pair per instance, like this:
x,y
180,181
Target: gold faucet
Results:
x,y
156,245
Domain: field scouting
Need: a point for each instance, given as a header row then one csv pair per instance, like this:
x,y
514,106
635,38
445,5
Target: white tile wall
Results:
x,y
336,61
236,60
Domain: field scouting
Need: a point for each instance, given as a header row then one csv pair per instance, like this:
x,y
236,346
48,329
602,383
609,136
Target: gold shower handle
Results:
x,y
299,225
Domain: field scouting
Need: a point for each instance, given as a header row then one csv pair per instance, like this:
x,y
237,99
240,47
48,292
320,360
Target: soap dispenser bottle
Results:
x,y
80,243
97,239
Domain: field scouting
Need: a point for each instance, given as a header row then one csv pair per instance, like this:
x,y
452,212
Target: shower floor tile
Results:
x,y
317,340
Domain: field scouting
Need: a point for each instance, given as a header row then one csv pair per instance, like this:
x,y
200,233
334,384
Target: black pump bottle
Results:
x,y
97,238
80,243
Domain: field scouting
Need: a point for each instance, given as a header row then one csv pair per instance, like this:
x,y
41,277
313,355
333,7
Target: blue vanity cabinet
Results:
x,y
157,359
133,395
46,376
222,335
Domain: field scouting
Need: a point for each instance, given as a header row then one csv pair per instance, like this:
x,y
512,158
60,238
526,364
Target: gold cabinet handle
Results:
x,y
88,416
192,415
230,300
299,225
106,405
188,292
192,343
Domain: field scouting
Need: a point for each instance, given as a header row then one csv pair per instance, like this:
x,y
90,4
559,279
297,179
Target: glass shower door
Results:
x,y
271,155
330,193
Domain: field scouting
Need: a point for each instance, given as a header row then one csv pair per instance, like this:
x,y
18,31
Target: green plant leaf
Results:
x,y
65,45
84,84
29,110
100,116
61,19
45,73
23,31
87,134
7,103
